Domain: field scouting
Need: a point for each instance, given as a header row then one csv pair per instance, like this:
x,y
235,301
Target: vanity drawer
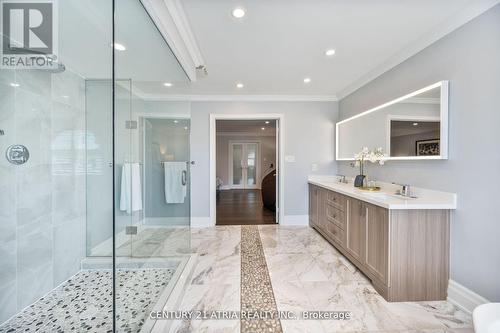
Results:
x,y
336,199
335,215
335,233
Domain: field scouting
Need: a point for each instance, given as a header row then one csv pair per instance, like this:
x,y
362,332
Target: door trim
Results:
x,y
280,143
258,174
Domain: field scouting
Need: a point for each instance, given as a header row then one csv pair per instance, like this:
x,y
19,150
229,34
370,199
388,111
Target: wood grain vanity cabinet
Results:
x,y
405,253
356,224
313,205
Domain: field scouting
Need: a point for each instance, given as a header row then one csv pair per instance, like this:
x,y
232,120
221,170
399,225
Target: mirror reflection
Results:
x,y
409,127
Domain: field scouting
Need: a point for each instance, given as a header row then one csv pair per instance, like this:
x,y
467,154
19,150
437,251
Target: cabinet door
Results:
x,y
356,223
313,205
377,242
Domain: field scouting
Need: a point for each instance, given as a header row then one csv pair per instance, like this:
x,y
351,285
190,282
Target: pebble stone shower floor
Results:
x,y
84,303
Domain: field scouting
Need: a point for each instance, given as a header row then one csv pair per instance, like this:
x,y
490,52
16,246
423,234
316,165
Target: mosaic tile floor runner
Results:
x,y
84,303
256,290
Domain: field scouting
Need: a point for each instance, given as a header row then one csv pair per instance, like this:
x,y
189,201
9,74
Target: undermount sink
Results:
x,y
384,196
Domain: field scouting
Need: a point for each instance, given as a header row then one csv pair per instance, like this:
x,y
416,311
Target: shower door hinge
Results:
x,y
130,230
131,124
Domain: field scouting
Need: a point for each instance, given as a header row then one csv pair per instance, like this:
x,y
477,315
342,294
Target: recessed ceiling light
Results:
x,y
176,121
330,52
307,80
65,96
263,128
267,122
415,124
168,84
15,85
185,127
238,12
239,85
120,47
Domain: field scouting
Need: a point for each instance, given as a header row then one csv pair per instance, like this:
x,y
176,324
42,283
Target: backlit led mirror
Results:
x,y
414,126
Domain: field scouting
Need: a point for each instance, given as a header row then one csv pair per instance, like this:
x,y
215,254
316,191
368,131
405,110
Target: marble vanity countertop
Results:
x,y
387,197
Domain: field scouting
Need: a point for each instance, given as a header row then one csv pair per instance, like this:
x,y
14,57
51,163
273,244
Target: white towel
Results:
x,y
175,191
131,192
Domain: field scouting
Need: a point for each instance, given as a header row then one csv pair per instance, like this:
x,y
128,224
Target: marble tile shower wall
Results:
x,y
42,215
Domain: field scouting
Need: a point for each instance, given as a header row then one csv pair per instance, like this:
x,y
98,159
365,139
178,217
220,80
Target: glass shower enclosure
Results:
x,y
94,170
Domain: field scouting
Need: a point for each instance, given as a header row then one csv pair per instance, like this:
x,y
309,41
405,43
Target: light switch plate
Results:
x,y
314,167
289,158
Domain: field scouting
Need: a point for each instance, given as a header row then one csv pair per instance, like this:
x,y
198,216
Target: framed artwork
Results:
x,y
427,147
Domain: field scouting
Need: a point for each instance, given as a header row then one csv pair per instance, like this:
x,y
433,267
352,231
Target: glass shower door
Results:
x,y
152,170
167,177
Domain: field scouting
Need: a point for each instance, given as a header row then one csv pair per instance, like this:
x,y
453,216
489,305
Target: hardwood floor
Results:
x,y
242,207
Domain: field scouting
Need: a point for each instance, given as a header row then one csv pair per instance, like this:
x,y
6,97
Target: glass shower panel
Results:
x,y
43,145
128,165
152,170
99,144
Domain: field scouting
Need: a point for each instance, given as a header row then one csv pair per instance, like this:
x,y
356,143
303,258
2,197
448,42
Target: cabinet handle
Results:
x,y
361,206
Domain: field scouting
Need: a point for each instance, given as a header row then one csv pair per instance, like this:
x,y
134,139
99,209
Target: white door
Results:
x,y
244,165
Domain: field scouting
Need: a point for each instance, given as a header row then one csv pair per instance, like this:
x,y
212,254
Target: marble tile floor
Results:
x,y
306,274
83,303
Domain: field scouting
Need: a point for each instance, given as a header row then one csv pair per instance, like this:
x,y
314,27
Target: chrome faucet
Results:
x,y
405,190
342,179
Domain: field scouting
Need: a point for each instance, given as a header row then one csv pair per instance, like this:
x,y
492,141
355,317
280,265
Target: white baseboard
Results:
x,y
201,222
295,220
463,298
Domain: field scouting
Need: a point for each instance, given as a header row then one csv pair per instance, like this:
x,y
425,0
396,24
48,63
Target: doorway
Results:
x,y
245,167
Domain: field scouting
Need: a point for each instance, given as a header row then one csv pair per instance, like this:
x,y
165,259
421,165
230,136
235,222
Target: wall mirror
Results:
x,y
412,127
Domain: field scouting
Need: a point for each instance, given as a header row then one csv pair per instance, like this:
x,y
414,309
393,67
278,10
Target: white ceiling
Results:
x,y
279,43
270,50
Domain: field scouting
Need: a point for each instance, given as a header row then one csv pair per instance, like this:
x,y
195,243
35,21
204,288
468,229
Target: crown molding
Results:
x,y
239,98
471,11
181,21
172,23
229,98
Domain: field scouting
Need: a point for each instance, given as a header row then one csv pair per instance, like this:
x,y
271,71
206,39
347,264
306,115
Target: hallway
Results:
x,y
242,207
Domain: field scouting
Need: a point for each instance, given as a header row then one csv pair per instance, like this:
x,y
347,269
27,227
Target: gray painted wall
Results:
x,y
470,58
314,121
